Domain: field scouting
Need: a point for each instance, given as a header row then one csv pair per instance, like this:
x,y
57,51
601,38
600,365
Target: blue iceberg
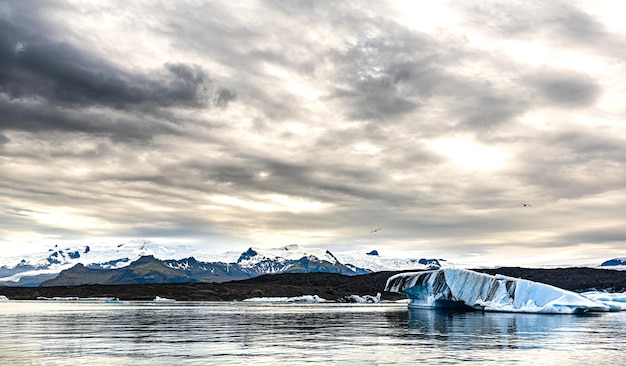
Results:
x,y
465,289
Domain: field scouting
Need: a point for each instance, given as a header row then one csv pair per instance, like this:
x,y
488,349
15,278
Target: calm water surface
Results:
x,y
136,333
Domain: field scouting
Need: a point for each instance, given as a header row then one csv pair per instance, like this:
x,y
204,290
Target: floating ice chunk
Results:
x,y
76,298
461,288
617,301
303,299
163,299
365,299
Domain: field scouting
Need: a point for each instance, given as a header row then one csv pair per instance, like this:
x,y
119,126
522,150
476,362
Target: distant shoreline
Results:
x,y
329,286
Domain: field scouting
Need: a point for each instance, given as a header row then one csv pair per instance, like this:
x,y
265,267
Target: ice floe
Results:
x,y
163,299
303,299
614,300
365,299
76,298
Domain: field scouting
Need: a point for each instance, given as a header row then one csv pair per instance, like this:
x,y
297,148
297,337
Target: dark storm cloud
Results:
x,y
40,117
60,73
48,85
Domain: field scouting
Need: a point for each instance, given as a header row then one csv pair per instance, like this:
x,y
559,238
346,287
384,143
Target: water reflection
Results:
x,y
481,331
239,333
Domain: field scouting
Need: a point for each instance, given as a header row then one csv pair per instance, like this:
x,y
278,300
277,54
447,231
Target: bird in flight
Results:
x,y
526,205
375,230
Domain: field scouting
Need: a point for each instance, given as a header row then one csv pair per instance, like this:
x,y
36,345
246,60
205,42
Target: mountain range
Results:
x,y
141,262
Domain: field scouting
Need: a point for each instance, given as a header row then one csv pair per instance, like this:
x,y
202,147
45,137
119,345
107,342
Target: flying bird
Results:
x,y
526,205
375,230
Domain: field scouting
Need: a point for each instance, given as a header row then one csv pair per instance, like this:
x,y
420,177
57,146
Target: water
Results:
x,y
136,333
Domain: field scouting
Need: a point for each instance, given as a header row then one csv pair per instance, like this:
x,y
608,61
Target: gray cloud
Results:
x,y
48,85
32,66
566,89
313,119
385,77
555,23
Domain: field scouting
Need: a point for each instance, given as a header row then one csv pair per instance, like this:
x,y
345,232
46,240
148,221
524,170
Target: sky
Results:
x,y
480,132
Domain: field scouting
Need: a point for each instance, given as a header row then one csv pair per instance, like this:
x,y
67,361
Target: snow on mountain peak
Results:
x,y
52,260
289,252
247,255
376,262
615,262
292,247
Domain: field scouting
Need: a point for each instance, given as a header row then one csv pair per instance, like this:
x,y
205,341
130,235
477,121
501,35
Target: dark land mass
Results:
x,y
576,279
330,286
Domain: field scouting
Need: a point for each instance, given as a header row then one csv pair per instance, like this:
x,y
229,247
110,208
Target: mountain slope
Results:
x,y
121,263
148,269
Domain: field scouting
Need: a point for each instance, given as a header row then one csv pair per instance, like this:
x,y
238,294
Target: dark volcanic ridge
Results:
x,y
330,286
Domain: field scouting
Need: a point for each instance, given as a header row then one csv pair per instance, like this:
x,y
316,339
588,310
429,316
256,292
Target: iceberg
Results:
x,y
455,288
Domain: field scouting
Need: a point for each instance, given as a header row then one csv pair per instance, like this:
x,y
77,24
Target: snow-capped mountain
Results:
x,y
615,262
284,259
376,263
148,269
97,254
32,269
189,263
86,262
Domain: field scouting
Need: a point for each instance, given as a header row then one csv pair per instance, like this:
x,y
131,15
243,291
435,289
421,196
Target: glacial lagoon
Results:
x,y
237,333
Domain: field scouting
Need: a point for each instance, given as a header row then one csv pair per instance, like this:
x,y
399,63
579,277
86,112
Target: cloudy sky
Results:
x,y
265,123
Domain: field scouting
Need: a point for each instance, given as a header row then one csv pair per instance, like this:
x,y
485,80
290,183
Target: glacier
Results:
x,y
456,288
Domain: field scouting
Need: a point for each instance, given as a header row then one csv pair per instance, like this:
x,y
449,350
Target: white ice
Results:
x,y
303,299
3,298
455,287
614,300
365,299
76,298
163,299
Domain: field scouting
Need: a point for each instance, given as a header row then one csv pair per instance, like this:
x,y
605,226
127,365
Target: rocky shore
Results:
x,y
326,285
